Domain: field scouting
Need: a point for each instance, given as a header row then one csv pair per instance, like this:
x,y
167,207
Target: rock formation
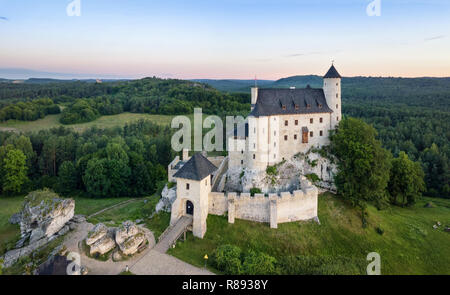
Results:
x,y
128,238
44,214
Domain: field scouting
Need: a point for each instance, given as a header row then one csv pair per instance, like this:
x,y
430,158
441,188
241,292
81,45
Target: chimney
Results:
x,y
185,154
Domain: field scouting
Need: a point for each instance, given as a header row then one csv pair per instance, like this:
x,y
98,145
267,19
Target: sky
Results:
x,y
223,39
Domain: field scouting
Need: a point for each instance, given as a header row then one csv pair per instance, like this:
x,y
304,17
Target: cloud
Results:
x,y
4,18
434,38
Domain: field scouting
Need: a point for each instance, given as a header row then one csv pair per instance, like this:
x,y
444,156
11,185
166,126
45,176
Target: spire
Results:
x,y
332,72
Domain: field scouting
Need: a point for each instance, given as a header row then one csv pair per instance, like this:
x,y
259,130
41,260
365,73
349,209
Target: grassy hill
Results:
x,y
409,244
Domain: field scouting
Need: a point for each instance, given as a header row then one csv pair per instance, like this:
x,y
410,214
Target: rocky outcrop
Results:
x,y
97,233
44,214
43,218
168,196
287,175
129,238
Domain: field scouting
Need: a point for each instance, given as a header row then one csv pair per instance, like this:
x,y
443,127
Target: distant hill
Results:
x,y
380,85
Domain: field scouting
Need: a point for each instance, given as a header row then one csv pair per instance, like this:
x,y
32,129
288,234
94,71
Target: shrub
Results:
x,y
271,170
313,177
254,191
227,258
257,263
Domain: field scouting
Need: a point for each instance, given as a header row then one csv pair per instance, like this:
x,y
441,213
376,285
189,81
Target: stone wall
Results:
x,y
274,209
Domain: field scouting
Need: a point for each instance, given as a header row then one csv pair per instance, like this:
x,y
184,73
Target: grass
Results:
x,y
87,206
9,233
115,216
158,223
409,244
52,121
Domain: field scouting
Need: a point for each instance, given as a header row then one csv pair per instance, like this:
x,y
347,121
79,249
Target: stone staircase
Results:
x,y
173,233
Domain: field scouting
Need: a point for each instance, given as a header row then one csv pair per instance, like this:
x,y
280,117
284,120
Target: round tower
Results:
x,y
332,91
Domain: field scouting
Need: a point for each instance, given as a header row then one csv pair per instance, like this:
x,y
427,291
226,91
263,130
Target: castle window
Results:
x,y
206,182
337,118
308,106
311,120
295,136
274,144
254,145
275,133
320,106
187,186
297,107
321,120
321,133
337,106
285,123
254,156
337,95
337,84
296,122
311,134
274,156
285,138
242,162
284,108
254,130
242,151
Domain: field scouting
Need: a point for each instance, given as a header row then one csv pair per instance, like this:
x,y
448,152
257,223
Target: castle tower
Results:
x,y
332,90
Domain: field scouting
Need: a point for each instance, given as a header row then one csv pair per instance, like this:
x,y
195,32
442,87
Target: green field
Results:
x,y
409,244
51,121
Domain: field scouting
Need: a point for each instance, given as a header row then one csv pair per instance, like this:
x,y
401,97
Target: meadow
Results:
x,y
408,243
52,121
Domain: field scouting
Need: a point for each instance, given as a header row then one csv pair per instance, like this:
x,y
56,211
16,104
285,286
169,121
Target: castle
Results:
x,y
285,122
282,123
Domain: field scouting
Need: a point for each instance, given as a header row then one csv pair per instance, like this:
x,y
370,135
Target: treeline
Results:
x,y
29,111
122,161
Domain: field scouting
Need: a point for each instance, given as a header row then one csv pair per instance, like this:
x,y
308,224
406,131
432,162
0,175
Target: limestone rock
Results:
x,y
64,230
16,218
44,214
103,245
168,196
131,245
125,231
79,219
129,237
98,232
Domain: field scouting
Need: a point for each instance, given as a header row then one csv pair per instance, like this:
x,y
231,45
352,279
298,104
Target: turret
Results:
x,y
332,90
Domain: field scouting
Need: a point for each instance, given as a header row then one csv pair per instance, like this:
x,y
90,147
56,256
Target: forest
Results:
x,y
123,161
410,115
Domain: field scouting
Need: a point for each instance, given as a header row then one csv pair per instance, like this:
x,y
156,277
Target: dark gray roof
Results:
x,y
332,73
290,101
197,168
179,165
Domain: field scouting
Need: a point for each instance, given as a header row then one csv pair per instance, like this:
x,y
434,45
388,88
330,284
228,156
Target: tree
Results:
x,y
15,169
362,163
257,263
96,179
228,259
67,177
406,182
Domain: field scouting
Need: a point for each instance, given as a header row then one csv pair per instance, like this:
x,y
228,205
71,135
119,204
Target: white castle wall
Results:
x,y
275,209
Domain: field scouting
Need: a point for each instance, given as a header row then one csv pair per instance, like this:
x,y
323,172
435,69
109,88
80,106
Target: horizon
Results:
x,y
223,40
